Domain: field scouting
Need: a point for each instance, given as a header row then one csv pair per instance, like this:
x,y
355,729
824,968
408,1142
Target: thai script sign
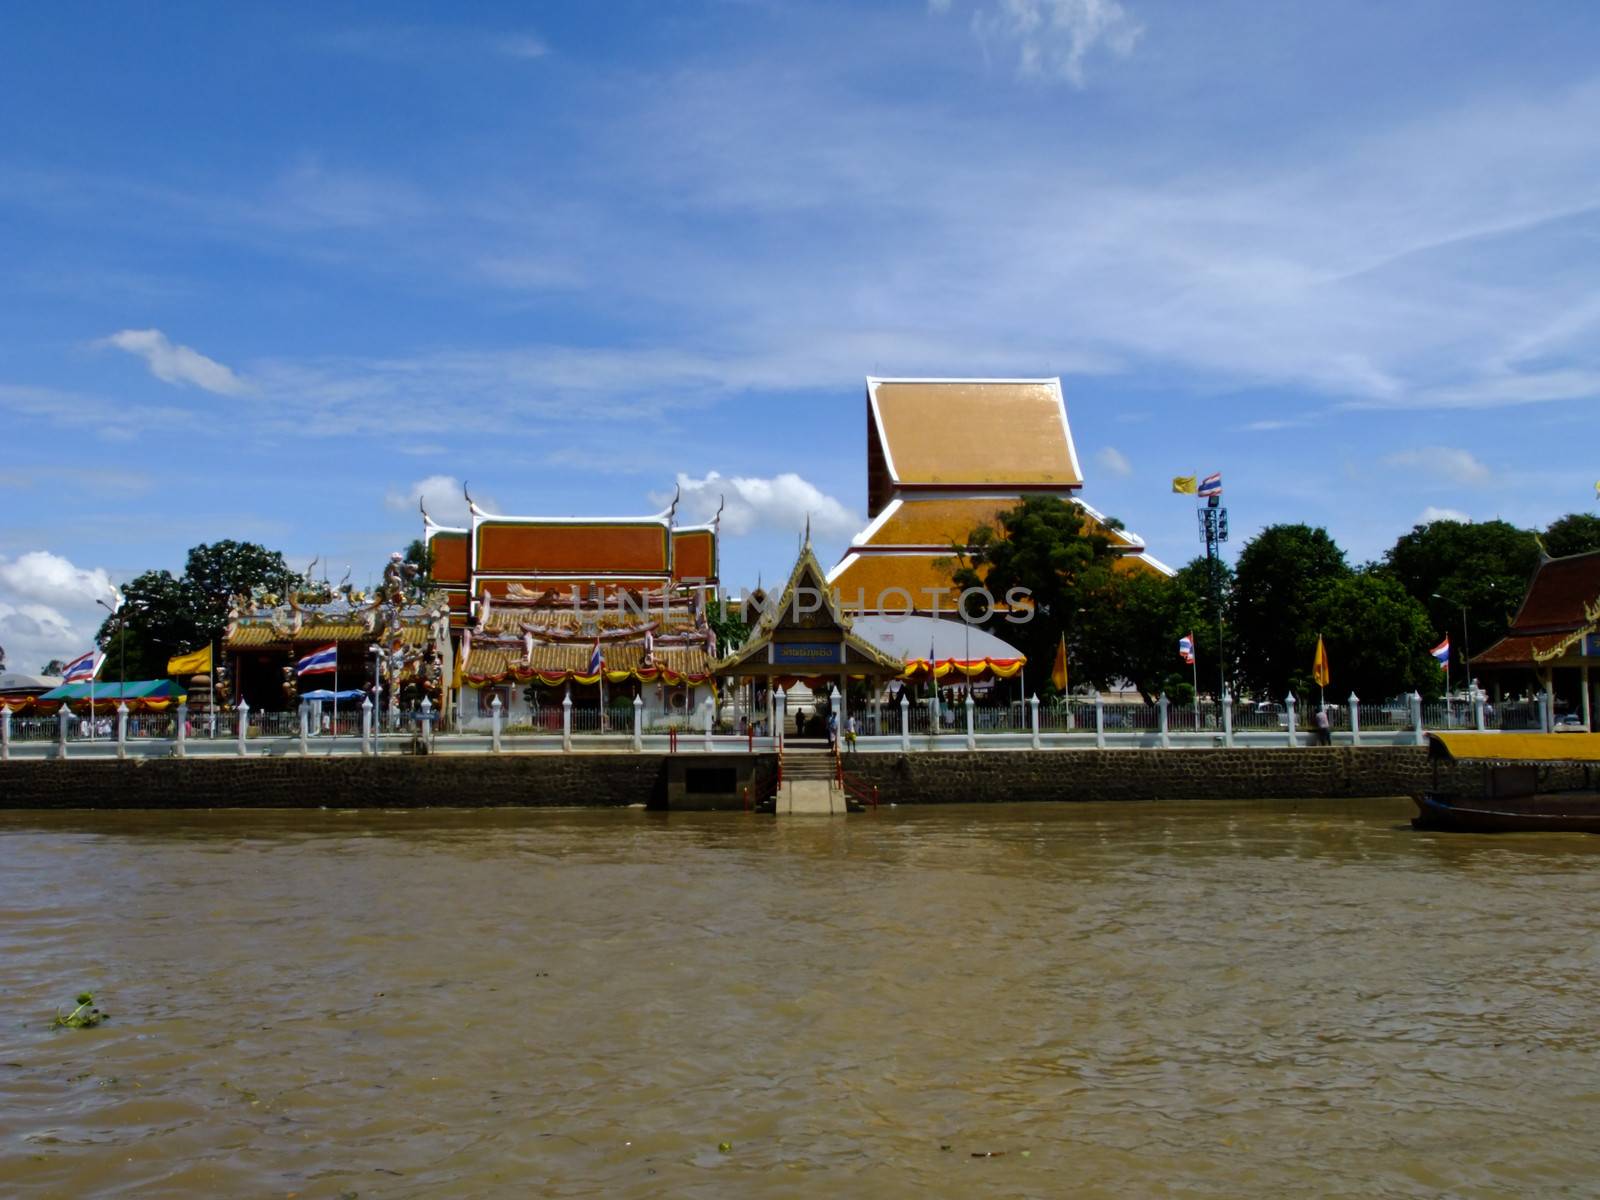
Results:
x,y
805,654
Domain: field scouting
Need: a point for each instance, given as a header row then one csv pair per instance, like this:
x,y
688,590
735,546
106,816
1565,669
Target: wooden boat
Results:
x,y
1520,792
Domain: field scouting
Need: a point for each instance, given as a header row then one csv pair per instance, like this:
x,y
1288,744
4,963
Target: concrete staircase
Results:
x,y
810,784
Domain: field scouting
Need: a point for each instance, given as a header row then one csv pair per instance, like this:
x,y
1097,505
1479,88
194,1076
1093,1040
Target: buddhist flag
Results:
x,y
196,663
1058,673
1319,664
1185,484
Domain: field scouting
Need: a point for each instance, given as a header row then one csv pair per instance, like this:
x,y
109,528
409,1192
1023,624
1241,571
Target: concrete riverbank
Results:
x,y
609,780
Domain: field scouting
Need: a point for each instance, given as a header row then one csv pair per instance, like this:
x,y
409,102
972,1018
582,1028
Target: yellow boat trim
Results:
x,y
1517,747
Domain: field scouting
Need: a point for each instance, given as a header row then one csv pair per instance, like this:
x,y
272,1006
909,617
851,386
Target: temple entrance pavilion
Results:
x,y
803,635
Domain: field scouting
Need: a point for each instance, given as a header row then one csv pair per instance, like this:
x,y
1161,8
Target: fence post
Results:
x,y
780,710
1416,719
972,736
427,721
711,712
638,722
1477,708
1289,703
566,720
933,714
1355,719
1546,711
1163,703
122,729
366,725
494,725
64,720
5,733
305,720
905,722
240,733
1227,716
1033,717
1099,721
181,733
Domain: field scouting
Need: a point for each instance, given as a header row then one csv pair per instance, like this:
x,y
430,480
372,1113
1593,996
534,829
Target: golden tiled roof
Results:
x,y
260,635
964,433
506,619
950,520
497,660
868,583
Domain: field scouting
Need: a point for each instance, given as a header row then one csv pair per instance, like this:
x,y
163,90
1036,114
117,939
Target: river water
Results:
x,y
1104,1000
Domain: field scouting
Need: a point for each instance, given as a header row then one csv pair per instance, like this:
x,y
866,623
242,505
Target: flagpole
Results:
x,y
334,721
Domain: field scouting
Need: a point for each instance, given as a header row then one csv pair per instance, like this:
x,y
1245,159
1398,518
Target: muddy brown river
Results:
x,y
1100,1000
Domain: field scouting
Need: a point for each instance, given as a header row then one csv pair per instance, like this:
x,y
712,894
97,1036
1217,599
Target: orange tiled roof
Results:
x,y
262,635
950,520
497,660
516,547
975,432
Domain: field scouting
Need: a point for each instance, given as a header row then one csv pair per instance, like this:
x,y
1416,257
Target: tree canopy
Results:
x,y
1575,533
1282,575
1048,547
163,615
1480,566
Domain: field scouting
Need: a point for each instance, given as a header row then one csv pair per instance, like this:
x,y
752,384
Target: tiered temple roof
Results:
x,y
532,597
1559,618
945,456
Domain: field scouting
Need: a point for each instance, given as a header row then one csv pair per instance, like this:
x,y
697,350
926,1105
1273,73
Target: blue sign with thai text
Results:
x,y
805,654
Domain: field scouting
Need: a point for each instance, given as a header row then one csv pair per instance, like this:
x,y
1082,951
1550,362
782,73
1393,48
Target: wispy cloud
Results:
x,y
783,503
173,363
422,43
48,609
442,495
1433,513
1114,461
1442,464
1054,38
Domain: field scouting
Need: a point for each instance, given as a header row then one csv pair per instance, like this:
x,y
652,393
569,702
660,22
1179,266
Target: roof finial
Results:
x,y
808,529
472,505
672,509
716,521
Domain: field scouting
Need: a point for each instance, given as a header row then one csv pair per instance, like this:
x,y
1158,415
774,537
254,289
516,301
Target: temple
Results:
x,y
945,456
604,608
1555,635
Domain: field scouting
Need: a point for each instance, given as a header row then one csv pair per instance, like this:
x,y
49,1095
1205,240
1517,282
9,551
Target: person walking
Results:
x,y
833,731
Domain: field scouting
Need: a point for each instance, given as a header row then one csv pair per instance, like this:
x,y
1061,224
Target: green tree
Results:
x,y
731,631
1065,562
1130,631
1377,637
1282,575
1575,533
1480,566
420,555
163,615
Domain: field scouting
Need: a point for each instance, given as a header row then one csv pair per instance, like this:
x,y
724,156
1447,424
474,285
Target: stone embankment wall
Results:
x,y
1144,775
601,780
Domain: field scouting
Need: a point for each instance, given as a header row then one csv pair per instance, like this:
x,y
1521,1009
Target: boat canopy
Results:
x,y
1516,747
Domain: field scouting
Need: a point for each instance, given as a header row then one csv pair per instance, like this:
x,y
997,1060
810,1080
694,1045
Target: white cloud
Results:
x,y
443,495
178,364
1114,461
1053,38
1445,464
520,45
1433,513
48,609
782,503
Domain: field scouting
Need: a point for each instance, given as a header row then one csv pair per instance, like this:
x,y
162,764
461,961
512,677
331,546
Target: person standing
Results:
x,y
1324,729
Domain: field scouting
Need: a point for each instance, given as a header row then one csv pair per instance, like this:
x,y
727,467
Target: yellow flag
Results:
x,y
197,663
1058,673
1185,484
1319,664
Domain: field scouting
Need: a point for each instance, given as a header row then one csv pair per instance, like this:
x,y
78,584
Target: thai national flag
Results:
x,y
83,668
322,661
1441,653
1211,485
597,659
1186,649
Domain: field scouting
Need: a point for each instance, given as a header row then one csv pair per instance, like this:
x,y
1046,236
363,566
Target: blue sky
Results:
x,y
268,272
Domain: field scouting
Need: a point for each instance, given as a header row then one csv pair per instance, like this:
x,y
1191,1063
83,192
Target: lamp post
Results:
x,y
377,689
122,648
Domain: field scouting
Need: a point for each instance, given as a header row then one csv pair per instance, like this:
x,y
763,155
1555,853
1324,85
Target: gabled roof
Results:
x,y
807,572
1561,607
973,433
